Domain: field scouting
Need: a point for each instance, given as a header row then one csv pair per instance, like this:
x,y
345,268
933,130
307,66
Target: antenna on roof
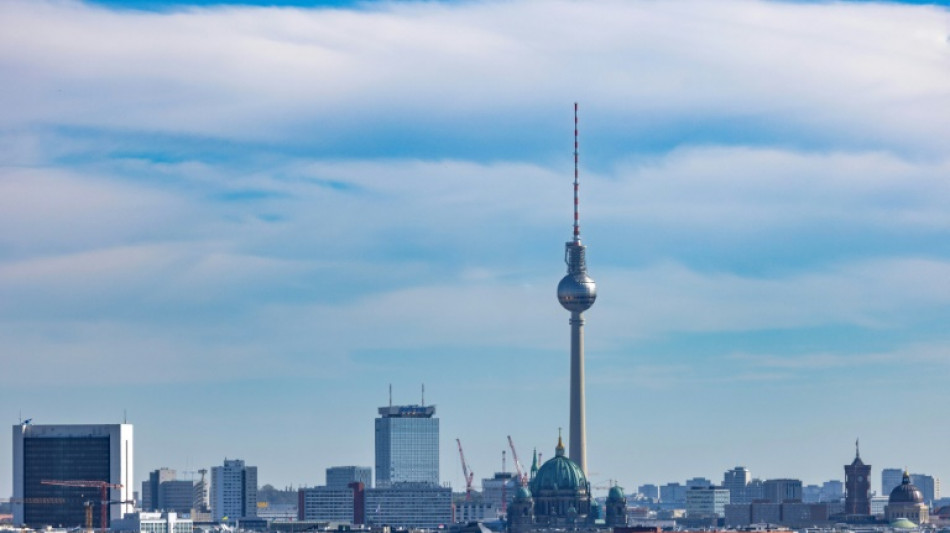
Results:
x,y
423,394
577,227
390,394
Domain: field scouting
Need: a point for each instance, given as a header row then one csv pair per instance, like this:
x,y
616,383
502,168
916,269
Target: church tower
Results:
x,y
857,483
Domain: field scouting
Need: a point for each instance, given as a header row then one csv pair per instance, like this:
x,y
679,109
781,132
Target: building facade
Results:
x,y
233,491
706,502
907,502
857,482
409,505
326,504
92,453
340,477
782,490
737,481
407,445
153,522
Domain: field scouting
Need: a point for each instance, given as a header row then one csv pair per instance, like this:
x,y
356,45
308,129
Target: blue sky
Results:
x,y
239,224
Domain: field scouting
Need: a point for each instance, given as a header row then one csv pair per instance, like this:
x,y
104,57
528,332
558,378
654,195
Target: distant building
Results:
x,y
907,502
737,481
409,505
857,486
499,490
164,492
702,502
407,445
929,486
832,491
649,491
811,494
890,480
698,483
673,494
152,522
233,491
70,452
340,477
326,504
783,490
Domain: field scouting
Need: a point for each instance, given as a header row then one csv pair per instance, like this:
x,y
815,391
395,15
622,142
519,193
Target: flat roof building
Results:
x,y
95,453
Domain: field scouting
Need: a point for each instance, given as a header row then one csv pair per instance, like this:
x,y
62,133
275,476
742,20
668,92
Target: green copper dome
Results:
x,y
522,494
559,473
616,493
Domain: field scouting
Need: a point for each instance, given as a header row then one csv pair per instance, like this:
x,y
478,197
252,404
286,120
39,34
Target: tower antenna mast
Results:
x,y
577,227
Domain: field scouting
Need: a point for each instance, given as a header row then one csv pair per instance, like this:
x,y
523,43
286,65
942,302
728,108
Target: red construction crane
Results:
x,y
103,487
522,476
469,475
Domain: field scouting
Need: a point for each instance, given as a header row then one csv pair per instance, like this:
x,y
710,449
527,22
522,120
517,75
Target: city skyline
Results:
x,y
245,222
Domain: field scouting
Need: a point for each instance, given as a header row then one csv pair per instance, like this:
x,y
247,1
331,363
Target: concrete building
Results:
x,y
783,490
409,505
499,490
407,445
832,491
702,502
152,522
649,491
326,504
233,491
99,453
673,494
929,486
340,477
698,483
890,479
737,481
164,492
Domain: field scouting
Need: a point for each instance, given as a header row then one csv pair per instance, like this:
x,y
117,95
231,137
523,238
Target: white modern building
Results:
x,y
95,453
146,522
233,491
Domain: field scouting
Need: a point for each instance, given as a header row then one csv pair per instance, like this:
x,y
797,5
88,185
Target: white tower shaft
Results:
x,y
578,436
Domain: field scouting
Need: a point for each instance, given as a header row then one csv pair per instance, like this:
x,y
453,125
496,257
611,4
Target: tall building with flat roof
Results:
x,y
96,453
407,445
233,491
340,477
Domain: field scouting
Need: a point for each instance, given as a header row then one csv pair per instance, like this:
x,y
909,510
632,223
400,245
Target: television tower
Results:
x,y
577,293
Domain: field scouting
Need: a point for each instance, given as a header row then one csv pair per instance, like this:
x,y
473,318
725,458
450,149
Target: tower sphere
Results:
x,y
577,292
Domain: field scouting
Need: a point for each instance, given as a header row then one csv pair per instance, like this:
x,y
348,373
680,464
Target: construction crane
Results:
x,y
522,476
103,487
469,475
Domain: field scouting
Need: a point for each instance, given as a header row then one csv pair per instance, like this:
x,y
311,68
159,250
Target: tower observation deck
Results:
x,y
576,292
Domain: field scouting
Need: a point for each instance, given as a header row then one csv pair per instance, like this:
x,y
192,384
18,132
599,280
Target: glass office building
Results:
x,y
88,453
407,445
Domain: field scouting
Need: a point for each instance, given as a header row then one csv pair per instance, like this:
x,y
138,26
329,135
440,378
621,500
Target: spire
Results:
x,y
577,227
534,464
857,450
559,449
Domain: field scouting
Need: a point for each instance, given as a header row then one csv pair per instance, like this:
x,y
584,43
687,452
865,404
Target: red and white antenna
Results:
x,y
577,228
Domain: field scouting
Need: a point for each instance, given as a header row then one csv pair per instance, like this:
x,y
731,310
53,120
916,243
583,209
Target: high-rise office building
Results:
x,y
91,453
783,490
890,479
737,481
340,477
407,445
233,491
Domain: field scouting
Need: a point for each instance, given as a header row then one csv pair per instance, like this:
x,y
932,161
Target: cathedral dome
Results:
x,y
522,494
615,493
906,492
559,473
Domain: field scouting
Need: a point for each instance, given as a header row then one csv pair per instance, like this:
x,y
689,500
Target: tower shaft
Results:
x,y
578,435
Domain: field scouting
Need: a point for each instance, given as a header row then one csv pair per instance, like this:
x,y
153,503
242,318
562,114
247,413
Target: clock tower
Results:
x,y
857,483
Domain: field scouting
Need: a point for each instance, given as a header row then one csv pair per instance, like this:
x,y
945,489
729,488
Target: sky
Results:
x,y
235,226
